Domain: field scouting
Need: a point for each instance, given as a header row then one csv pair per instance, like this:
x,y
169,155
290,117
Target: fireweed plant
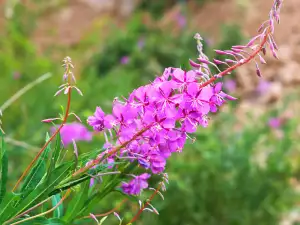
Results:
x,y
140,134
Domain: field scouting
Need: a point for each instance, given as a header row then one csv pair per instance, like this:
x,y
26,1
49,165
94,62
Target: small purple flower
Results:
x,y
157,163
141,43
275,122
136,185
97,120
16,75
74,131
124,60
169,108
181,20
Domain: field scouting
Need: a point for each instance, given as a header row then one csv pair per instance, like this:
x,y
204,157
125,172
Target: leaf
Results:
x,y
55,155
43,221
58,212
70,184
40,193
36,221
102,220
7,204
55,221
39,170
77,202
83,178
110,187
3,169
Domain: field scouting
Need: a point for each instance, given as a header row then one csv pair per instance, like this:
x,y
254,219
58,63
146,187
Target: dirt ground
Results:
x,y
75,18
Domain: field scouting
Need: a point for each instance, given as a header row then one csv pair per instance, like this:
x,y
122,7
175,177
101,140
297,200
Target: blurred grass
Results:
x,y
215,181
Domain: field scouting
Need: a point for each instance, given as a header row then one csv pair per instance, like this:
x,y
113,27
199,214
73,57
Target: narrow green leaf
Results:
x,y
40,193
55,156
38,171
55,221
3,169
77,202
102,220
36,221
57,149
94,199
70,184
58,212
7,205
43,221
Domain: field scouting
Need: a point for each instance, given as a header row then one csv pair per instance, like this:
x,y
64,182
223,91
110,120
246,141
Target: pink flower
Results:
x,y
275,122
181,20
16,75
136,185
141,43
124,60
74,131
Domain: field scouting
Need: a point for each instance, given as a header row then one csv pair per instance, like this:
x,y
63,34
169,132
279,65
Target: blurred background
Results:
x,y
242,170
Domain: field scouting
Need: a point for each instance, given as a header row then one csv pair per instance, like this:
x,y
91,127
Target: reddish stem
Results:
x,y
113,151
145,205
240,63
46,144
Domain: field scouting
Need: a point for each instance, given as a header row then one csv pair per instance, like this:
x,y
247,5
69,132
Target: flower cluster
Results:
x,y
136,185
156,119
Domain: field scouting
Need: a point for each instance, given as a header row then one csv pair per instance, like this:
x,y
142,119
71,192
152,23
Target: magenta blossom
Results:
x,y
181,20
124,60
136,185
157,119
74,131
97,120
169,108
16,75
141,43
275,122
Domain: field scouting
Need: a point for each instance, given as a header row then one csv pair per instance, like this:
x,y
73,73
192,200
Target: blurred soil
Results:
x,y
68,24
65,22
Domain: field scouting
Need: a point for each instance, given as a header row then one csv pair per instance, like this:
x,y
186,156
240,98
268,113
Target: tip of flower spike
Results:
x,y
68,76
